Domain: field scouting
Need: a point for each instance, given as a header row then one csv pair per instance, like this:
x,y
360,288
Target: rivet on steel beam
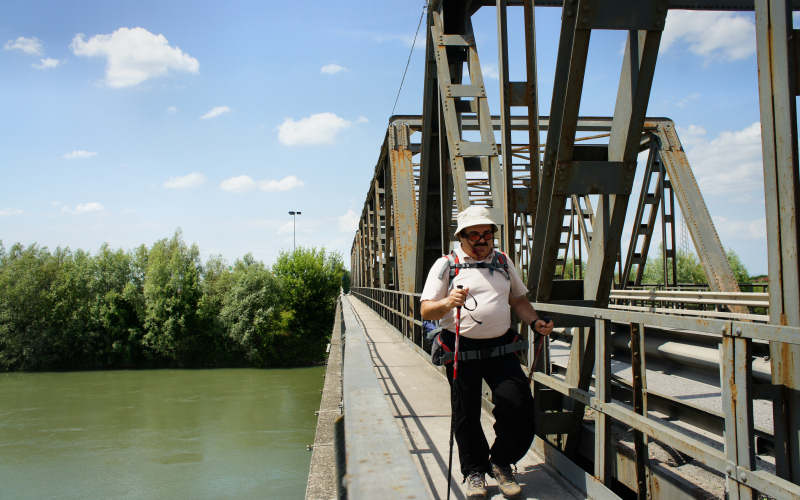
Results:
x,y
729,470
743,477
723,329
738,331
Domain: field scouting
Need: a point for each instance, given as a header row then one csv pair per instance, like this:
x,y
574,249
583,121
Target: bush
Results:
x,y
161,307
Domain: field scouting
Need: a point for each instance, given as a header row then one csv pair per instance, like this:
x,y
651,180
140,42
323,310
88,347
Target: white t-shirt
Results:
x,y
488,296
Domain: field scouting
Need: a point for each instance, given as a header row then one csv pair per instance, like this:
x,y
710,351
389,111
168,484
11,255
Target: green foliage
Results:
x,y
689,268
311,281
739,271
171,295
252,312
161,307
346,281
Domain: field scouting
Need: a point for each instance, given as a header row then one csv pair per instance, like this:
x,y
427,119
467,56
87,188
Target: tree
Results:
x,y
171,293
25,309
310,281
690,270
252,313
739,271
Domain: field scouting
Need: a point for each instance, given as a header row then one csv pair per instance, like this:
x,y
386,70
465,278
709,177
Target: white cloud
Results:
x,y
239,184
83,208
729,229
490,71
215,112
362,119
78,154
692,135
729,163
348,222
134,55
711,34
332,69
31,46
287,228
286,184
407,40
10,211
172,110
244,183
46,63
320,128
688,99
188,181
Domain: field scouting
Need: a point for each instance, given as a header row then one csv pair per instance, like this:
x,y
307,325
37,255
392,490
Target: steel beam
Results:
x,y
404,207
777,89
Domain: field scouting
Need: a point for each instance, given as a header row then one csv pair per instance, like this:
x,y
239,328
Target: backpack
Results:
x,y
499,261
440,353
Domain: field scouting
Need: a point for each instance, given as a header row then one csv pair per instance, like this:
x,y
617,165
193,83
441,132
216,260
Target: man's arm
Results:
x,y
436,309
524,310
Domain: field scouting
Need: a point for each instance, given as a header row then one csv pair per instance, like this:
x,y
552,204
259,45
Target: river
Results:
x,y
157,434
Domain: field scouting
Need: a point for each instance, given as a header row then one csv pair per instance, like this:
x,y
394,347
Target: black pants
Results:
x,y
513,405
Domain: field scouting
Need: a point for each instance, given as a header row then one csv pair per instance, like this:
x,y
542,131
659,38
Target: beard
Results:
x,y
481,249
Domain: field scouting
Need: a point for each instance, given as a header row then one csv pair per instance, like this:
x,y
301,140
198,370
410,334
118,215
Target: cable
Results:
x,y
402,80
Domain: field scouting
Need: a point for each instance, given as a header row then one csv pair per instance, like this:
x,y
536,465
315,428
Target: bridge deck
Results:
x,y
419,397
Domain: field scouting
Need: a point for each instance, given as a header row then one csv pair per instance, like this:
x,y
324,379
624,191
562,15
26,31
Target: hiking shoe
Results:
x,y
505,480
476,485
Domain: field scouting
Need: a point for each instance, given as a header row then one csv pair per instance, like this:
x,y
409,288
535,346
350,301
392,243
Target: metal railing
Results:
x,y
693,303
400,309
735,462
372,471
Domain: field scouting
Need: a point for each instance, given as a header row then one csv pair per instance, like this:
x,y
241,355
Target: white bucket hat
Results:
x,y
473,216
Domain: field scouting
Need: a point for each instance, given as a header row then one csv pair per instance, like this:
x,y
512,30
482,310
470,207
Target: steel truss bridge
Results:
x,y
563,202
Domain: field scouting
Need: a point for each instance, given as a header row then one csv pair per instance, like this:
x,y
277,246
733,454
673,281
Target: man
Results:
x,y
491,289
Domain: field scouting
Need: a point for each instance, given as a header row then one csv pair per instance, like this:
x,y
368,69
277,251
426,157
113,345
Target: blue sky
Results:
x,y
127,120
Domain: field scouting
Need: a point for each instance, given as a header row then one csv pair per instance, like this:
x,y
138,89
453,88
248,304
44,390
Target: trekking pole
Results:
x,y
452,388
538,351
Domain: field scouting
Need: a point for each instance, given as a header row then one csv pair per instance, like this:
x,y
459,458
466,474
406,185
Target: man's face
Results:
x,y
477,241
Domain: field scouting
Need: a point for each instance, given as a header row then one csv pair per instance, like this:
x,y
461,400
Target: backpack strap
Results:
x,y
500,261
453,265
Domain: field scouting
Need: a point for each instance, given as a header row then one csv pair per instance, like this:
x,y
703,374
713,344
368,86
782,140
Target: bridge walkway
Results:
x,y
418,396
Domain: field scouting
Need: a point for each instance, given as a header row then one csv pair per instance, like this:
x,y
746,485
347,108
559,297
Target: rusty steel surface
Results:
x,y
579,183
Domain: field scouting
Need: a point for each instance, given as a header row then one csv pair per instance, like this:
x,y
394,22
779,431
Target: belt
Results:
x,y
489,352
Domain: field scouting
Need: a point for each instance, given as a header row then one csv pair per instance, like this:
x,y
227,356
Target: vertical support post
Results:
x,y
603,391
446,186
404,207
638,387
633,94
573,48
505,131
532,99
777,90
430,190
377,234
735,380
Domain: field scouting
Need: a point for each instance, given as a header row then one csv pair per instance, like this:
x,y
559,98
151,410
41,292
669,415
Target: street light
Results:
x,y
294,213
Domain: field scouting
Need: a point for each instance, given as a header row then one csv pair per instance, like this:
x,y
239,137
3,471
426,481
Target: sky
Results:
x,y
128,120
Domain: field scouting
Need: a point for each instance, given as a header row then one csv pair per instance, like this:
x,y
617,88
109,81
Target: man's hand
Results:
x,y
436,309
457,297
543,327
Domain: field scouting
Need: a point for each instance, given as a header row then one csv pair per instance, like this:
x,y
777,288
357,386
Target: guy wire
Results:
x,y
413,43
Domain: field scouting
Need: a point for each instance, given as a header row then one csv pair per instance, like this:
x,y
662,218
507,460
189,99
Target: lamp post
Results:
x,y
294,213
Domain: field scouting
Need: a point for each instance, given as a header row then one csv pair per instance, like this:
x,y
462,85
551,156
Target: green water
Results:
x,y
158,434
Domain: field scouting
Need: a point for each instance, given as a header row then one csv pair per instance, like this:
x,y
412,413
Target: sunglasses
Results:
x,y
474,236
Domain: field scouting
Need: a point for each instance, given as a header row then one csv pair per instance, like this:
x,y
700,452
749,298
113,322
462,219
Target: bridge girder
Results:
x,y
407,220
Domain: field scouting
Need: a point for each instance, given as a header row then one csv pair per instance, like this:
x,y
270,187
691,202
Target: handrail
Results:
x,y
402,308
372,471
692,302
